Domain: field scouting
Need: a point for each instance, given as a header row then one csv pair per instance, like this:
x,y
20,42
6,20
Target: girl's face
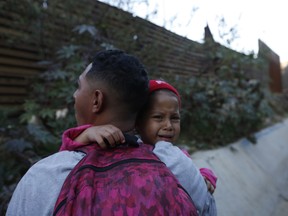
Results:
x,y
161,121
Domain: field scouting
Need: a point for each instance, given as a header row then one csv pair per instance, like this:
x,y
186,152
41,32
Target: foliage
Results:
x,y
21,145
51,98
224,105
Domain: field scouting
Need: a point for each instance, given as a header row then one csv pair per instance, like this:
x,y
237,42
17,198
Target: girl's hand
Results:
x,y
210,187
105,135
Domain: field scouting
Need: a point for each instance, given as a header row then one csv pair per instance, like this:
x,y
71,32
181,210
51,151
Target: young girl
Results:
x,y
158,123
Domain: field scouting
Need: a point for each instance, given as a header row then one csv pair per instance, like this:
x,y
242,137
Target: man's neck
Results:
x,y
125,125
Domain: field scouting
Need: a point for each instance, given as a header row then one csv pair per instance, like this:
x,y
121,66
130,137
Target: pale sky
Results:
x,y
253,19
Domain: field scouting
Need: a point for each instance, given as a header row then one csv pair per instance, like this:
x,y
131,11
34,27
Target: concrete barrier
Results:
x,y
252,178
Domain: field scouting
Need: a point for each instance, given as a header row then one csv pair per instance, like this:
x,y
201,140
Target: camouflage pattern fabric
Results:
x,y
122,181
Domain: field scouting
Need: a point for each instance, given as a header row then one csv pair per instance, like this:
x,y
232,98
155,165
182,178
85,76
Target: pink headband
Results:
x,y
159,84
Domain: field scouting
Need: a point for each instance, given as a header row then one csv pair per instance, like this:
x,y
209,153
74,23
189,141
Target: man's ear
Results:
x,y
98,101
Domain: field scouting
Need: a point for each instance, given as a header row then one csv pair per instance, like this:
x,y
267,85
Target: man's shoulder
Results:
x,y
62,156
56,164
41,184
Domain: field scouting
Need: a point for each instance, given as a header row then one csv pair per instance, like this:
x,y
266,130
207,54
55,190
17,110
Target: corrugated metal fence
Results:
x,y
30,34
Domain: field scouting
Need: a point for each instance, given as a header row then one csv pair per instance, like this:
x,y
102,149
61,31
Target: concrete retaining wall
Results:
x,y
252,178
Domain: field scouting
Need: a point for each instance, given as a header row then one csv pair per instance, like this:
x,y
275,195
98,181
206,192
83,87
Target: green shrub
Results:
x,y
221,111
21,145
224,105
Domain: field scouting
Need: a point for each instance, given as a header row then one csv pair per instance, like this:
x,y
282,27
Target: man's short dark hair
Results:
x,y
124,73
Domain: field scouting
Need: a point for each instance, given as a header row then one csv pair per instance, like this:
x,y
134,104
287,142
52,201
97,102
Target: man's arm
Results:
x,y
188,175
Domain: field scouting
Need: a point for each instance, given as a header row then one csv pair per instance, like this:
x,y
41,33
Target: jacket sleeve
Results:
x,y
68,137
37,191
209,175
188,175
205,172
